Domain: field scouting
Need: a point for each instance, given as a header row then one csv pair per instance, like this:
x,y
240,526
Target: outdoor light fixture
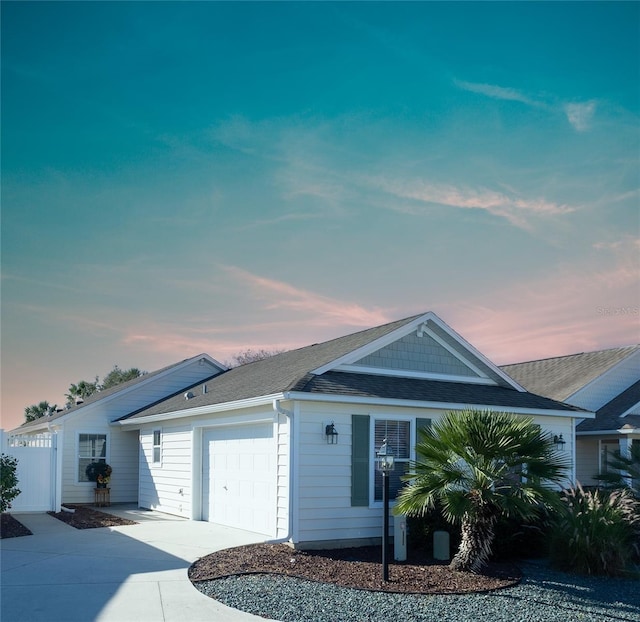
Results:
x,y
332,434
559,441
384,464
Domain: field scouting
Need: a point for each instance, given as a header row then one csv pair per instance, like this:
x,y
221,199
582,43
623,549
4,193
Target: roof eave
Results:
x,y
378,401
200,410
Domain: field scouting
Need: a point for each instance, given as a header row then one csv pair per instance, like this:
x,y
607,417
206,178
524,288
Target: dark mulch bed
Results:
x,y
357,568
12,528
87,518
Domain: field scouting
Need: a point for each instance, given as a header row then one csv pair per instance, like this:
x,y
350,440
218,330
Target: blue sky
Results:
x,y
189,177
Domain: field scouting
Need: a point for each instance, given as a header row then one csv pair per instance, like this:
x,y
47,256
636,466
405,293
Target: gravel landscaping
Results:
x,y
543,595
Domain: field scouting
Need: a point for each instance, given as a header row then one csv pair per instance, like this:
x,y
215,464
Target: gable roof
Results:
x,y
609,417
99,396
316,369
560,377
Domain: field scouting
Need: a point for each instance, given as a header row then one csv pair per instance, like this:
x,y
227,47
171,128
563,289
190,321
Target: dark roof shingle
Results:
x,y
560,377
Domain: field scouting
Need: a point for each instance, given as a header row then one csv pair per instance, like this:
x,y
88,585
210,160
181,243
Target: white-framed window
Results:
x,y
157,447
399,438
91,448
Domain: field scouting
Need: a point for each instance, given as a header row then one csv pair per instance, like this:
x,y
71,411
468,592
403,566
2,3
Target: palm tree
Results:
x,y
478,466
35,411
623,470
81,391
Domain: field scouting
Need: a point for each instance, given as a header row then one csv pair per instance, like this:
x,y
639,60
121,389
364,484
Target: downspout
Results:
x,y
280,410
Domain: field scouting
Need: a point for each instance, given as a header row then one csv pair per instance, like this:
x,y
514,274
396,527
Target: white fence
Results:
x,y
36,455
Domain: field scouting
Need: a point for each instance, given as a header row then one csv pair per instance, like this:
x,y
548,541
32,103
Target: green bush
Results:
x,y
522,539
8,481
596,532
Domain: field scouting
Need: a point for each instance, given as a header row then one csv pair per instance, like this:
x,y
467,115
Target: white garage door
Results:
x,y
238,478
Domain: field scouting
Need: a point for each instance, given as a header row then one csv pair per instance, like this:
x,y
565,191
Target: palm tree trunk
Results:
x,y
475,547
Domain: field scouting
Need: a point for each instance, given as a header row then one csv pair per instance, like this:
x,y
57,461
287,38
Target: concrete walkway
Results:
x,y
136,573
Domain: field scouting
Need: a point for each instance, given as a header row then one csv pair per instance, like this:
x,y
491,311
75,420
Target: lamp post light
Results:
x,y
384,464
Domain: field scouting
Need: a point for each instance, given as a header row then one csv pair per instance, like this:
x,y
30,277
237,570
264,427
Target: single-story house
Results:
x,y
606,382
84,432
255,446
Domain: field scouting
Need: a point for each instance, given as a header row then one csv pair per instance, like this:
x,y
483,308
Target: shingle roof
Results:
x,y
608,417
100,395
291,371
275,374
560,377
390,387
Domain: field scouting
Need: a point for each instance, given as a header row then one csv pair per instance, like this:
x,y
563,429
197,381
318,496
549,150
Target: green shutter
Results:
x,y
359,460
421,423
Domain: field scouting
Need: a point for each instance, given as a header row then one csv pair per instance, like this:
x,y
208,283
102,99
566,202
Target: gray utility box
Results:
x,y
441,545
400,538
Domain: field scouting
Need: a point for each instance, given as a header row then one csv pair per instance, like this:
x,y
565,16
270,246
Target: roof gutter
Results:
x,y
395,402
603,432
200,410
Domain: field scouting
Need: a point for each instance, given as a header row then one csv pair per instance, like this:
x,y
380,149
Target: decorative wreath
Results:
x,y
97,470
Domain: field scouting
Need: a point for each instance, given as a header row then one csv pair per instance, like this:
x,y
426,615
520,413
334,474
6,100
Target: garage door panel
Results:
x,y
239,477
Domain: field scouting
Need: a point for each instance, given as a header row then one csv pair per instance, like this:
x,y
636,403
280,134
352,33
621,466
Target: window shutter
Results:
x,y
359,460
421,423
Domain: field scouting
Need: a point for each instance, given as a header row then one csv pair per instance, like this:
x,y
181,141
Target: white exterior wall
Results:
x,y
323,477
167,486
122,452
181,466
122,443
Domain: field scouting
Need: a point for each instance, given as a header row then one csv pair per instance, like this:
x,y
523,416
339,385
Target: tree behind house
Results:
x,y
251,356
35,411
82,390
117,376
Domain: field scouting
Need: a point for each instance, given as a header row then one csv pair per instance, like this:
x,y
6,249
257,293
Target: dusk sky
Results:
x,y
187,177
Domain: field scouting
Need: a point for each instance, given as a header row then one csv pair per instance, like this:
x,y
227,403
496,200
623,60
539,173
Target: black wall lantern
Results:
x,y
332,434
559,441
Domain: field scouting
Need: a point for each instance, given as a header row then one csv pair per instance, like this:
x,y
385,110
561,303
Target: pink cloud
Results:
x,y
320,310
566,312
516,210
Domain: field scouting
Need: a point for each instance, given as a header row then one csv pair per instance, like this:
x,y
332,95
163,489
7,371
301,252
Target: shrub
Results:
x,y
8,481
522,539
596,532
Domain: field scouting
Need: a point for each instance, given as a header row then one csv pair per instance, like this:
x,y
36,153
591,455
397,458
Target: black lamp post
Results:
x,y
385,466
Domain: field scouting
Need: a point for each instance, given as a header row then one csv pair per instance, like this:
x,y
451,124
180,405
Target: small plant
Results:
x,y
596,532
99,472
8,481
623,470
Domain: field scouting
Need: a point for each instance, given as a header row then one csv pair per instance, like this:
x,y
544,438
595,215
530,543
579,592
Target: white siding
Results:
x,y
324,510
283,476
122,445
181,466
166,486
121,455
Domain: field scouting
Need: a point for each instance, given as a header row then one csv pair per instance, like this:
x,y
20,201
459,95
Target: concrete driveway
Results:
x,y
136,573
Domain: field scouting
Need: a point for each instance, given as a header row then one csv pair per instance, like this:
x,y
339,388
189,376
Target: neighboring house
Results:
x,y
607,382
249,447
85,434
